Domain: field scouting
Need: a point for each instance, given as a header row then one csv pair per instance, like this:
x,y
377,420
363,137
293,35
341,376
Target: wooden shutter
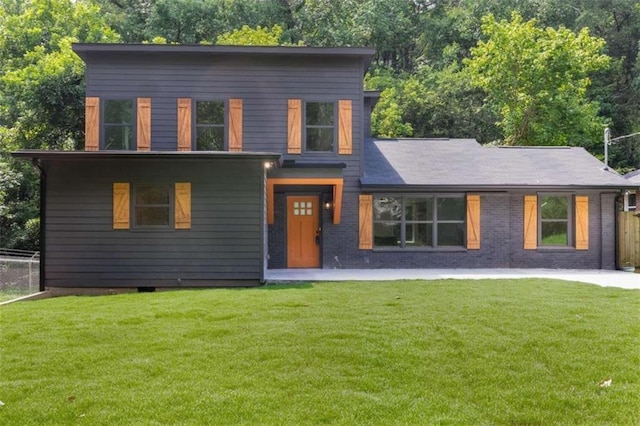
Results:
x,y
582,222
143,140
183,205
235,125
294,134
184,124
121,206
92,124
473,222
530,222
345,126
365,232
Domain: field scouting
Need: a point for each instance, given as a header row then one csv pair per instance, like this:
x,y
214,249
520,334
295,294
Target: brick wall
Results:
x,y
502,240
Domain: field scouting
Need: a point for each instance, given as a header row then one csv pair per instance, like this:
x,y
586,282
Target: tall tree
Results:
x,y
536,80
41,97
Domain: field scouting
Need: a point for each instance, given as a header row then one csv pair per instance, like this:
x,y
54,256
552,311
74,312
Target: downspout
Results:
x,y
616,236
43,215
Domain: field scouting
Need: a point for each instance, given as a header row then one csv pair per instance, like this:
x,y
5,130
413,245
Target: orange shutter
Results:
x,y
92,124
184,124
530,222
235,125
345,133
473,222
183,205
582,222
121,205
365,232
143,140
294,134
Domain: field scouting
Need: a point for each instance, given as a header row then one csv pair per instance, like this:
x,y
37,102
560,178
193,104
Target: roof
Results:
x,y
273,157
454,164
85,50
633,177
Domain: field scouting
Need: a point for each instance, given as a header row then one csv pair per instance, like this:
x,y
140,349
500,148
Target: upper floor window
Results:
x,y
419,221
118,124
152,206
555,220
209,124
320,126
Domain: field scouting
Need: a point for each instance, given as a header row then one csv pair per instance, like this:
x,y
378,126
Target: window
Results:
x,y
555,220
152,205
209,125
419,221
319,126
118,124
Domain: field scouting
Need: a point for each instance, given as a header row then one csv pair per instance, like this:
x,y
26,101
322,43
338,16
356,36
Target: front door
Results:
x,y
303,232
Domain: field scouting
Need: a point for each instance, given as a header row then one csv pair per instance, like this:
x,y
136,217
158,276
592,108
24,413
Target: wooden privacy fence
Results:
x,y
628,239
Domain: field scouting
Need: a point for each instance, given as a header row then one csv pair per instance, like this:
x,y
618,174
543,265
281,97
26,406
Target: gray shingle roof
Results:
x,y
465,163
633,177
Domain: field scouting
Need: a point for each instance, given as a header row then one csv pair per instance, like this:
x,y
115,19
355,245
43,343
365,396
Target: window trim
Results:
x,y
571,224
104,124
135,205
434,222
195,125
334,126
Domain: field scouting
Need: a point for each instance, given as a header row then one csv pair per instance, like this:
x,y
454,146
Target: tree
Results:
x,y
247,36
431,103
536,81
41,98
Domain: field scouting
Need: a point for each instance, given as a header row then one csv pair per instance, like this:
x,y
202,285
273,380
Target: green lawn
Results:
x,y
510,352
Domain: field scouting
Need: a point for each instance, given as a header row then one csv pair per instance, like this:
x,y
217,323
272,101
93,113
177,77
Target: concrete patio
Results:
x,y
599,277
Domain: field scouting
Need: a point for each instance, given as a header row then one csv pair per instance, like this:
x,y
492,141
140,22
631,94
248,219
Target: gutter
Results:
x,y
489,188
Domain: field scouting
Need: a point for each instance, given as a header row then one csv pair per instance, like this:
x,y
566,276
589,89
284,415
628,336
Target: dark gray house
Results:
x,y
206,165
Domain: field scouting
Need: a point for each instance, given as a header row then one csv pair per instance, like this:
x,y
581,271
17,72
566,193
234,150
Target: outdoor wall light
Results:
x,y
328,205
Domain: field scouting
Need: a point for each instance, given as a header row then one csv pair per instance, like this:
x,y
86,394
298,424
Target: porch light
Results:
x,y
328,205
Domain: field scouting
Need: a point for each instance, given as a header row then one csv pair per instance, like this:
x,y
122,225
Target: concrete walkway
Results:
x,y
599,277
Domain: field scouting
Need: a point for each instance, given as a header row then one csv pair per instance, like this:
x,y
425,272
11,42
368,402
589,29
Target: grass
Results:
x,y
407,352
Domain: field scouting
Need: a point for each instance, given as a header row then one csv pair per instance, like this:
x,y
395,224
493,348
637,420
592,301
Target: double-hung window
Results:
x,y
152,205
555,220
118,124
209,125
419,221
320,126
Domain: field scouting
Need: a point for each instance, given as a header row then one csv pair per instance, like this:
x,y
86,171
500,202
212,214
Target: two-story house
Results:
x,y
206,165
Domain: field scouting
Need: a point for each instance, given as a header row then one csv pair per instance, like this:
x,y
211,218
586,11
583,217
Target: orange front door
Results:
x,y
303,232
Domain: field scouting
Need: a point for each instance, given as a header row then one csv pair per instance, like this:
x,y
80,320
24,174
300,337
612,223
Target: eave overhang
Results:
x,y
88,50
274,159
372,187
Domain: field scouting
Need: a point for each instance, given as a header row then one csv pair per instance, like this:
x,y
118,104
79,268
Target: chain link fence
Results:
x,y
19,273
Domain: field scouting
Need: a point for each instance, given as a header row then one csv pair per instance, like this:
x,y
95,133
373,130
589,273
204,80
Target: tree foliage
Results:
x,y
41,98
536,80
247,36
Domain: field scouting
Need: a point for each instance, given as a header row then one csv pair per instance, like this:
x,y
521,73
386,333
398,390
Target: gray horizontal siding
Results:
x,y
224,242
264,84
